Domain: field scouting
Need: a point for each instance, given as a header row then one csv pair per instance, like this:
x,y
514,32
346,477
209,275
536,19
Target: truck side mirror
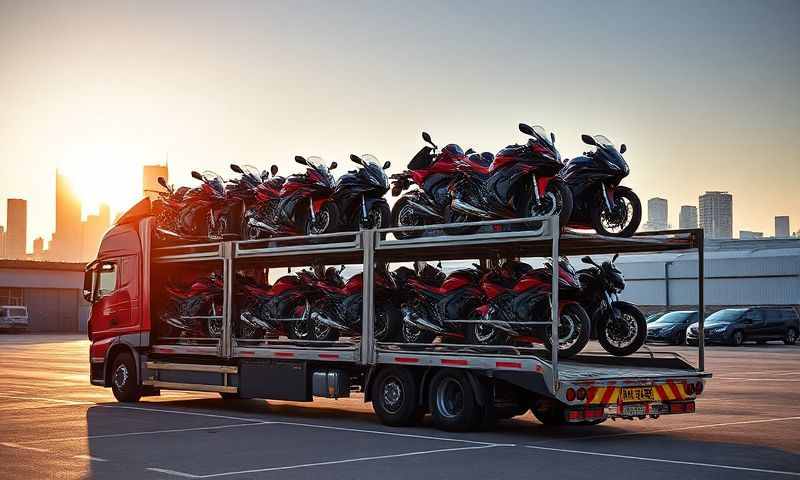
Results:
x,y
88,284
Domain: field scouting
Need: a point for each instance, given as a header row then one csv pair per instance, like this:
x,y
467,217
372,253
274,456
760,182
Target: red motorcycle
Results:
x,y
283,308
305,206
196,310
512,314
198,214
260,210
431,172
339,311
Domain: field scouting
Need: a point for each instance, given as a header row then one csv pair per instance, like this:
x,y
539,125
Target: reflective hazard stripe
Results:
x,y
664,392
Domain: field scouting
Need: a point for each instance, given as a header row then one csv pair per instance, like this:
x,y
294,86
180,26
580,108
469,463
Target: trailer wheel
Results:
x,y
394,397
452,402
124,382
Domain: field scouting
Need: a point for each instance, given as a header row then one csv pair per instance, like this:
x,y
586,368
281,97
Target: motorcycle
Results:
x,y
521,182
338,312
432,173
199,214
436,302
521,313
619,326
358,197
259,215
195,311
285,306
599,202
305,207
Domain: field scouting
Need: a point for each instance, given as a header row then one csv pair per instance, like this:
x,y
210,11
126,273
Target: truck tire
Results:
x,y
549,412
394,397
124,381
452,402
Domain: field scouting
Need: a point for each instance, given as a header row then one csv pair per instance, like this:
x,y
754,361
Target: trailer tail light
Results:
x,y
575,415
593,413
570,394
698,388
581,394
689,388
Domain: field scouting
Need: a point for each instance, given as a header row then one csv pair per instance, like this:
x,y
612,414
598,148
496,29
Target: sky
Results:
x,y
706,95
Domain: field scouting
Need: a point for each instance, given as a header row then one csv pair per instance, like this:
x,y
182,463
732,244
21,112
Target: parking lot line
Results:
x,y
318,464
150,432
178,412
664,460
90,458
23,447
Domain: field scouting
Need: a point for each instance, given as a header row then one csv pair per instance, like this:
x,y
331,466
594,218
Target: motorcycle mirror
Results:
x,y
526,129
587,259
163,182
341,269
273,170
439,265
333,166
615,257
288,269
236,168
387,164
300,160
588,140
553,138
356,159
622,148
426,136
469,152
197,175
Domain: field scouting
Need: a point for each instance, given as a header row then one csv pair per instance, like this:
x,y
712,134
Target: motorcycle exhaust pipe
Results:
x,y
467,209
261,225
325,320
254,321
411,318
426,210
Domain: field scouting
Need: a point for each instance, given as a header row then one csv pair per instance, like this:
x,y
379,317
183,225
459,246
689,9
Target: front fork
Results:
x,y
537,196
610,305
363,210
608,202
311,209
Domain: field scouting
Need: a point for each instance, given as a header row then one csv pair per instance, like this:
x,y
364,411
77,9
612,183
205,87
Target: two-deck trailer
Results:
x,y
461,386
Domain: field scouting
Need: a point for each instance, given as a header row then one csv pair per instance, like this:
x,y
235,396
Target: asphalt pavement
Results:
x,y
54,424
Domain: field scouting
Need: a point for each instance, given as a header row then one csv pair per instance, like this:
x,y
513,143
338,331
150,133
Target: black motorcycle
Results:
x,y
620,327
599,202
359,196
521,182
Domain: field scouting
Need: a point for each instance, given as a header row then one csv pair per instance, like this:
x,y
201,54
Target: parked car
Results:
x,y
671,327
733,326
655,316
14,318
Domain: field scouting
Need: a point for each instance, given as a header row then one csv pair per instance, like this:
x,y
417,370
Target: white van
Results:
x,y
14,318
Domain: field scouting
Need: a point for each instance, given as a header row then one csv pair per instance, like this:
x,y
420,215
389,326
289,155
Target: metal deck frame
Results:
x,y
504,240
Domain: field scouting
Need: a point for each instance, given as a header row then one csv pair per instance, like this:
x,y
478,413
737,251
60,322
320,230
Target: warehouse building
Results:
x,y
737,273
50,290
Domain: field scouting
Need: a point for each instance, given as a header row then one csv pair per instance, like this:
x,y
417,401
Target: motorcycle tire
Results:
x,y
300,329
400,209
451,216
330,211
387,325
557,193
572,316
635,218
481,334
380,212
635,319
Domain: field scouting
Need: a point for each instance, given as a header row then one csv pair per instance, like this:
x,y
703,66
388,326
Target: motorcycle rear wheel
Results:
x,y
482,334
403,215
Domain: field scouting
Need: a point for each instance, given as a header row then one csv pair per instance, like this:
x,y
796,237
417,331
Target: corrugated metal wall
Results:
x,y
53,309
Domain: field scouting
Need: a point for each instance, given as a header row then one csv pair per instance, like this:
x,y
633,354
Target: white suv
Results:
x,y
14,318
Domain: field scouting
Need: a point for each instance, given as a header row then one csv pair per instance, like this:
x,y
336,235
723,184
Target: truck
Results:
x,y
461,386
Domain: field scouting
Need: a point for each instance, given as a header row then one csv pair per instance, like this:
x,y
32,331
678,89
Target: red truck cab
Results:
x,y
117,285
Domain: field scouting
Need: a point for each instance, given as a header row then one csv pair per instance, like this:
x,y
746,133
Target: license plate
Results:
x,y
633,410
637,394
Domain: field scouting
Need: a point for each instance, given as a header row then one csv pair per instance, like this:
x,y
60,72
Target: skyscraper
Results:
x,y
17,222
67,239
657,214
150,174
716,214
688,217
38,248
94,228
782,229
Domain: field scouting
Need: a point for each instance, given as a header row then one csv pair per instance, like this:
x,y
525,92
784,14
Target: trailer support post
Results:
x,y
226,340
555,230
701,305
368,356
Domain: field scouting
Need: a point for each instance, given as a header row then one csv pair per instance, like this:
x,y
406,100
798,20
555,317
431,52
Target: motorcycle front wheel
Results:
x,y
555,200
573,331
324,221
626,334
623,219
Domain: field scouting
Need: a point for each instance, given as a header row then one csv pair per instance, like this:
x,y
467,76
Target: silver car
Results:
x,y
14,318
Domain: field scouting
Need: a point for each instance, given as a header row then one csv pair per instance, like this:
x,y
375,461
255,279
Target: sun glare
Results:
x,y
103,174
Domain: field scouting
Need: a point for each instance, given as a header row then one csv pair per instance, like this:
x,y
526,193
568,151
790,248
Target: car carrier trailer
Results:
x,y
461,386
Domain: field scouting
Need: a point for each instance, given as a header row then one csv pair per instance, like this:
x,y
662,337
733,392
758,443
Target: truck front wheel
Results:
x,y
124,381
